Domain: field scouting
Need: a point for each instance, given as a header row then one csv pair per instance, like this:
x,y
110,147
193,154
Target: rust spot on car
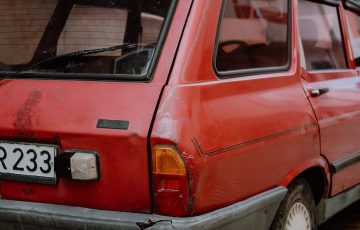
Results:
x,y
134,139
24,116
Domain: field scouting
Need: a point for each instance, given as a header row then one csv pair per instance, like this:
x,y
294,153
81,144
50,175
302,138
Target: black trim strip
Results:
x,y
352,5
243,144
112,124
345,162
31,179
328,2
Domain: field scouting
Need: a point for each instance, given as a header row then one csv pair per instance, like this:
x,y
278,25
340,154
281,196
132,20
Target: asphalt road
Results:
x,y
349,219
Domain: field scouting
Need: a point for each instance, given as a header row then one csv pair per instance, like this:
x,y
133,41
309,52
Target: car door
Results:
x,y
332,88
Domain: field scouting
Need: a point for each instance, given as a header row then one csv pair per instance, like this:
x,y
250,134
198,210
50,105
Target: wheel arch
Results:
x,y
316,173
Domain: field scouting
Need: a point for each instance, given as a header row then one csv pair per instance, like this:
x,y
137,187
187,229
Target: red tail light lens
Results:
x,y
170,182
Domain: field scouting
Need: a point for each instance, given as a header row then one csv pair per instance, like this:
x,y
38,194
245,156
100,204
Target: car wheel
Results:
x,y
297,210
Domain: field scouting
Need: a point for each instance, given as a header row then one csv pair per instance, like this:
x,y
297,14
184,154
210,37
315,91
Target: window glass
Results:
x,y
253,34
35,30
22,24
321,36
353,23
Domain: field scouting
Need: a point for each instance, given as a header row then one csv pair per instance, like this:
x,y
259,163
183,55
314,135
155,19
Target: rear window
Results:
x,y
32,31
253,36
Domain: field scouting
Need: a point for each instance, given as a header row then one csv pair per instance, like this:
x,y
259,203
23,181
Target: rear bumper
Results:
x,y
254,213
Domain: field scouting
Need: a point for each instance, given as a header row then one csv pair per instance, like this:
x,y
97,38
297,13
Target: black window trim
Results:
x,y
253,71
353,6
327,2
357,13
332,3
145,78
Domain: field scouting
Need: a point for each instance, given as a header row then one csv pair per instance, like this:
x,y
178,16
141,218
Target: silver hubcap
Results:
x,y
298,218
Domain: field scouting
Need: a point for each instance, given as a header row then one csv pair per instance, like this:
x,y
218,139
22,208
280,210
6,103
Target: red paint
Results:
x,y
238,137
66,113
338,112
251,130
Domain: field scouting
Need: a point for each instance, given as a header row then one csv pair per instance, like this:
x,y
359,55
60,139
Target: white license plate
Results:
x,y
27,162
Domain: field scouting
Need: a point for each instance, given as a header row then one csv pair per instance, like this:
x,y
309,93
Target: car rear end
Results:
x,y
74,130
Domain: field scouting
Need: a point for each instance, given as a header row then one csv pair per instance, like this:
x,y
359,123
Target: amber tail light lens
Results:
x,y
170,182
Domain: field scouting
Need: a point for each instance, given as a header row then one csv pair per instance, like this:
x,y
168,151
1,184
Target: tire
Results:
x,y
297,210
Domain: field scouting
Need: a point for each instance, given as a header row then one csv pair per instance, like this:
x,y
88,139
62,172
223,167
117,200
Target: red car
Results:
x,y
185,114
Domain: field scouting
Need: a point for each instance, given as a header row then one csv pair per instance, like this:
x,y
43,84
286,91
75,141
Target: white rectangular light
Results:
x,y
84,166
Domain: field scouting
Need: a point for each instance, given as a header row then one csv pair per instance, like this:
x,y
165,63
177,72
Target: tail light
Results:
x,y
170,182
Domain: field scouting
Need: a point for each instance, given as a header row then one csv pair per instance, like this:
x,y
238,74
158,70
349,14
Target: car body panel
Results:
x,y
239,135
231,132
66,112
338,113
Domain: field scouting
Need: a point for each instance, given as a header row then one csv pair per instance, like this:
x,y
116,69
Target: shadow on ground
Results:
x,y
349,219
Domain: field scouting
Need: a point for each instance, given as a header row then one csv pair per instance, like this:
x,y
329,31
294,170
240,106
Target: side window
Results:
x,y
253,35
321,36
353,24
